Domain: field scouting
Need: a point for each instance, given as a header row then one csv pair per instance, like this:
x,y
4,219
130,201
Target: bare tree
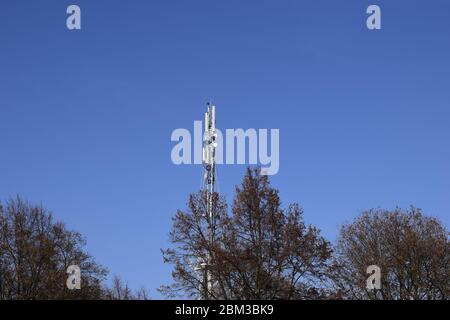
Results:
x,y
35,252
261,251
411,249
142,294
120,290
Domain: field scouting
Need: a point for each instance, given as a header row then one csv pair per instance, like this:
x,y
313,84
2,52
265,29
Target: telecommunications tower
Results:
x,y
209,164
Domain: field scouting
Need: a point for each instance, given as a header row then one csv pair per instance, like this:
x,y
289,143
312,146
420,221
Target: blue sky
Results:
x,y
86,116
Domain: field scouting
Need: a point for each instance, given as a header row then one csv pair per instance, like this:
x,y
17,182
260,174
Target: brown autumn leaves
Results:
x,y
261,251
35,252
264,251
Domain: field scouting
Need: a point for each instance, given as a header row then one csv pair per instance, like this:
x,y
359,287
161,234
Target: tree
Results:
x,y
121,291
35,253
261,251
192,248
411,249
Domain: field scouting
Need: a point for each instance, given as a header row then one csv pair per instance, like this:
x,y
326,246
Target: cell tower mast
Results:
x,y
209,164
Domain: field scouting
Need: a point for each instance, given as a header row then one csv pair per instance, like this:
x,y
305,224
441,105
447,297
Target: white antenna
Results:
x,y
209,163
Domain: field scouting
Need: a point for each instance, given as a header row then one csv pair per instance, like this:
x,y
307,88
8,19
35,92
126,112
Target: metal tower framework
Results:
x,y
209,164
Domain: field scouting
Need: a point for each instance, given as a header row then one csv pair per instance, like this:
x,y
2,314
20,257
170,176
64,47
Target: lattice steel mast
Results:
x,y
209,164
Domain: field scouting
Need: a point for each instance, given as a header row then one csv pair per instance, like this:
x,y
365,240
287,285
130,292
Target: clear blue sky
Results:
x,y
86,116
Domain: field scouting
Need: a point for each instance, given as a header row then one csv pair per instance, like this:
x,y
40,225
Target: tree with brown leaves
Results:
x,y
35,253
261,251
411,249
